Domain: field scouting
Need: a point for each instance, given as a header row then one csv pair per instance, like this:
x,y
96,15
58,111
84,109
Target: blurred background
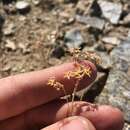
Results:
x,y
36,34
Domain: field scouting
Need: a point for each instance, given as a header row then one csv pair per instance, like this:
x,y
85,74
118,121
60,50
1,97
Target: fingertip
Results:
x,y
114,118
88,125
107,118
72,123
88,79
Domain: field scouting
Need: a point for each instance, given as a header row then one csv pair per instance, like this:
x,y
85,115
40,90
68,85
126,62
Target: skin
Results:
x,y
28,103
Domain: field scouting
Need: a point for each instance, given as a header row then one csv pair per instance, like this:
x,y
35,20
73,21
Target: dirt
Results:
x,y
34,36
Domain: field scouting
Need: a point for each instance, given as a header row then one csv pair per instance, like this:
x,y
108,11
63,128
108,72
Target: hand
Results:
x,y
28,103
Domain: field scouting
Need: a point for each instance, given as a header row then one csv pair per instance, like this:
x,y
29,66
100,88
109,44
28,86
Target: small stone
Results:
x,y
127,94
127,19
106,61
100,47
66,18
10,45
80,6
24,47
129,34
73,38
83,7
6,67
64,15
22,18
94,22
70,20
1,21
126,126
10,9
9,29
109,47
22,6
36,2
111,11
111,40
58,52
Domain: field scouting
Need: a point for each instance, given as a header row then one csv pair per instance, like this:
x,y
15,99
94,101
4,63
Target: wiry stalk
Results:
x,y
74,93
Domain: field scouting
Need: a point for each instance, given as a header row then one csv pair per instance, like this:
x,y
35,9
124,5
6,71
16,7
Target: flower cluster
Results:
x,y
55,84
80,72
79,55
93,57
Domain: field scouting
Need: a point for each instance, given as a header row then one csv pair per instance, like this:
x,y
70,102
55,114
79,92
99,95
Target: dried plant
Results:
x,y
80,72
79,55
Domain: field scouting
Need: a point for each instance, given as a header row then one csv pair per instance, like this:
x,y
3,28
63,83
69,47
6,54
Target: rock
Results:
x,y
95,9
109,47
96,87
111,11
90,49
6,67
127,19
24,47
23,6
126,126
22,18
84,7
129,34
66,18
8,29
1,21
100,47
73,38
64,14
10,9
106,61
111,40
81,7
10,45
36,2
58,52
117,88
94,22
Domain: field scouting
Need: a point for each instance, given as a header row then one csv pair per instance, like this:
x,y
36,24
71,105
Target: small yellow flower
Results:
x,y
87,71
77,73
58,86
55,84
68,75
51,82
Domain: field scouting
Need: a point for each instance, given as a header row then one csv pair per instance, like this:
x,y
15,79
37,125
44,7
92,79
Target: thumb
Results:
x,y
72,123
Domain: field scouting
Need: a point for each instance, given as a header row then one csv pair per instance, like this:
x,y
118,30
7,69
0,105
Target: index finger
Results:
x,y
25,91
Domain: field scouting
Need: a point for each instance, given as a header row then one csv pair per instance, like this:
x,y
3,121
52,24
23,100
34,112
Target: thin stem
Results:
x,y
74,93
81,97
67,100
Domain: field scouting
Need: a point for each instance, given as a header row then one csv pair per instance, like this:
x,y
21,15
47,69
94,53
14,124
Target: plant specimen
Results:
x,y
80,72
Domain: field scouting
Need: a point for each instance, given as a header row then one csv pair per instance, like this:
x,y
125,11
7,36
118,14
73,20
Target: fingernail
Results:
x,y
75,124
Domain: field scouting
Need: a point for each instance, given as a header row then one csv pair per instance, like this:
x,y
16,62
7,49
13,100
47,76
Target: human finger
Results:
x,y
102,117
71,123
25,91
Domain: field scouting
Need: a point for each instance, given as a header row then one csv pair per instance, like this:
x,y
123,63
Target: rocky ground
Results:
x,y
35,34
